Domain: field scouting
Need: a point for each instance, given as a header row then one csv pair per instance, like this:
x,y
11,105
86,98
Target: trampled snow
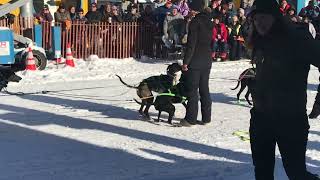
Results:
x,y
81,124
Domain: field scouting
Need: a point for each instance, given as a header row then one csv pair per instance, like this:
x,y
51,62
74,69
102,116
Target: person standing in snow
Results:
x,y
279,98
197,65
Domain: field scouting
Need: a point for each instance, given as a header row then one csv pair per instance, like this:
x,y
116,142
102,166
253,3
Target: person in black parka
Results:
x,y
197,65
279,97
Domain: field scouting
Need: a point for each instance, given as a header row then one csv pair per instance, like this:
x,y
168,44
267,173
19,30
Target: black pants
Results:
x,y
197,83
317,101
235,50
291,138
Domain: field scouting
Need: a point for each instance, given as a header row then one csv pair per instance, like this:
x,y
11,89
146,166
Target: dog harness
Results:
x,y
184,99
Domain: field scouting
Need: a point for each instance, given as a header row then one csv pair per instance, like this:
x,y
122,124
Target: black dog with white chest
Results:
x,y
159,84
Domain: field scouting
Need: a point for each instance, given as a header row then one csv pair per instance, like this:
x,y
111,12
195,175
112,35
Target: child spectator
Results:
x,y
235,39
219,39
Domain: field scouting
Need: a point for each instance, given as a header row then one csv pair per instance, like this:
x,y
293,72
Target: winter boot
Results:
x,y
185,123
223,56
213,55
315,111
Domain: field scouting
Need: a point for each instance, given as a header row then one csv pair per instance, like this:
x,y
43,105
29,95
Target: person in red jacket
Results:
x,y
219,39
285,7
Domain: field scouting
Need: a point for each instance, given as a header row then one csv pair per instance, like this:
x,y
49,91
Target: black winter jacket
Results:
x,y
94,16
282,69
198,51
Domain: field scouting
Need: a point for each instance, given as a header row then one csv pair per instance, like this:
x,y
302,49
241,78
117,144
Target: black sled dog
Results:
x,y
159,84
246,79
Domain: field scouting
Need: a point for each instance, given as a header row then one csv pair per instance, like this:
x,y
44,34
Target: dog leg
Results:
x,y
159,114
247,97
184,104
171,112
243,86
141,107
148,105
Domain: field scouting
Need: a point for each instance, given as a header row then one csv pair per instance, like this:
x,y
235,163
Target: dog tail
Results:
x,y
236,86
137,101
130,86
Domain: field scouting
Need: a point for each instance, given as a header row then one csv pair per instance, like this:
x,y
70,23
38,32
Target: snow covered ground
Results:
x,y
87,128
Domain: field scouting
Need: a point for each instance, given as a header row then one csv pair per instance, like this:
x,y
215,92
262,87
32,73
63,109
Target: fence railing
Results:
x,y
116,40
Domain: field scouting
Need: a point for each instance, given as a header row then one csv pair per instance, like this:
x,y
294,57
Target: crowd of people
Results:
x,y
170,20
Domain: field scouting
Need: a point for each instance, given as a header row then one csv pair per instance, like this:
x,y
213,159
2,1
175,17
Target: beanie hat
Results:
x,y
265,6
198,5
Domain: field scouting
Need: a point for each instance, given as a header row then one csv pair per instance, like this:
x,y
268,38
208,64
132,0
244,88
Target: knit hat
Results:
x,y
265,6
61,6
198,5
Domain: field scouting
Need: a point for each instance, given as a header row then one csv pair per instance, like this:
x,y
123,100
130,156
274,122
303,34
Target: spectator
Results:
x,y
116,16
316,24
231,9
174,27
311,11
309,26
293,15
147,16
161,13
246,4
241,15
159,3
45,15
215,9
197,64
62,16
107,12
132,15
225,17
93,15
73,14
80,16
183,7
235,39
279,45
285,7
219,39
